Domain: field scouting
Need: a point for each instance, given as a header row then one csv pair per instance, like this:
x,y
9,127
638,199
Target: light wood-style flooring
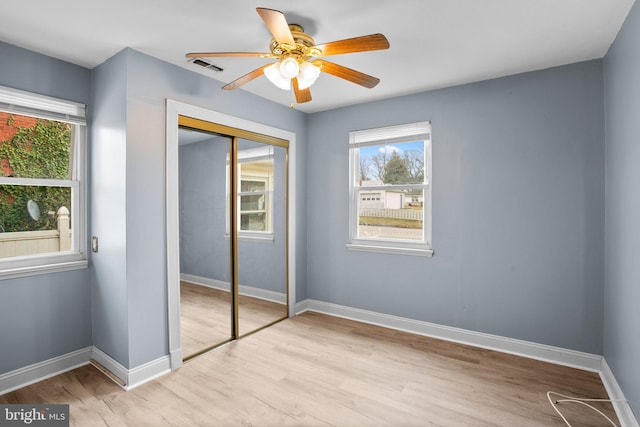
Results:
x,y
205,316
317,370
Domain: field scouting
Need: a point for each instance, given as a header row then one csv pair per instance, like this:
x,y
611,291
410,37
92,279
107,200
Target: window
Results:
x,y
42,164
254,202
255,173
390,189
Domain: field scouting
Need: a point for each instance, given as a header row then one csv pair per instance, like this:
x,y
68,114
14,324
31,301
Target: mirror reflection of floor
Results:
x,y
205,316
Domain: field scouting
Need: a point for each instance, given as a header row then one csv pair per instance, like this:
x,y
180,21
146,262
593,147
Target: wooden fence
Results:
x,y
22,243
411,214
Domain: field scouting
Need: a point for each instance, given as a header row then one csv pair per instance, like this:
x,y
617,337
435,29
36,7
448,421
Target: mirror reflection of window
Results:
x,y
255,195
255,174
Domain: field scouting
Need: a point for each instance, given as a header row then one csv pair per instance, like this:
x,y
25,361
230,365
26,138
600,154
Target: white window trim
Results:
x,y
379,136
267,193
244,156
26,103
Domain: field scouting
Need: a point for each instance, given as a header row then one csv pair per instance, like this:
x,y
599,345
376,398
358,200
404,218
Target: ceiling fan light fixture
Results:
x,y
308,75
295,52
275,76
289,68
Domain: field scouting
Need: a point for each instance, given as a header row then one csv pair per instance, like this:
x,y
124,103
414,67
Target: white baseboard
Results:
x,y
31,374
205,281
623,410
133,377
175,359
303,306
546,353
37,372
112,365
251,291
148,372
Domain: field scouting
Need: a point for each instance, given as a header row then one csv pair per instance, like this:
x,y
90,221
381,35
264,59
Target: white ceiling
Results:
x,y
434,43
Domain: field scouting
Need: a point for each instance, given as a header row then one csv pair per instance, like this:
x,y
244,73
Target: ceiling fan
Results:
x,y
298,65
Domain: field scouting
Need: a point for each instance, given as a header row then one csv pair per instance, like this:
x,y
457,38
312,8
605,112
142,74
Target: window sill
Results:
x,y
390,250
14,273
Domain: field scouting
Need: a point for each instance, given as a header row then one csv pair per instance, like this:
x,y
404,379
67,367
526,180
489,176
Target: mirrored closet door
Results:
x,y
261,219
233,233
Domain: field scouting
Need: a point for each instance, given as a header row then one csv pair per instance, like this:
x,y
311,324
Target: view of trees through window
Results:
x,y
38,149
393,164
391,194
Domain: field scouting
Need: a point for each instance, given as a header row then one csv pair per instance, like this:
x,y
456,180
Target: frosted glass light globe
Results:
x,y
289,68
308,75
275,76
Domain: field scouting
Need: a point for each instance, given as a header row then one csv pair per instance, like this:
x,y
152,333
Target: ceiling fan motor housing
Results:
x,y
303,48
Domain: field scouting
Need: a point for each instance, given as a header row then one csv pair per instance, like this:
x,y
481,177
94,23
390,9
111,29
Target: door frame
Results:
x,y
173,110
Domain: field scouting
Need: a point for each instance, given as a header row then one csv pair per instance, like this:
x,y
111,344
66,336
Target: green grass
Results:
x,y
390,222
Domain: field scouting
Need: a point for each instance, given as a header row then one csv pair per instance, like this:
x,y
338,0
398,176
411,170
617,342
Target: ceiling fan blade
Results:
x,y
353,76
245,79
356,44
302,95
277,24
221,54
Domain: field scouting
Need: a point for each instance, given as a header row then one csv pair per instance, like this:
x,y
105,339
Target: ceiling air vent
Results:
x,y
206,64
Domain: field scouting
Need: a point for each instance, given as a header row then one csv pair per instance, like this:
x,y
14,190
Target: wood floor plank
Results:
x,y
317,370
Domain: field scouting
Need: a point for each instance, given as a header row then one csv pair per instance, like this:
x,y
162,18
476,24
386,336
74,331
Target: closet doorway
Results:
x,y
233,234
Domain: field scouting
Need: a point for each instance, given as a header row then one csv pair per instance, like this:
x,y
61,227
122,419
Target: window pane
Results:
x,y
34,148
256,176
32,221
388,164
247,186
252,221
391,214
253,203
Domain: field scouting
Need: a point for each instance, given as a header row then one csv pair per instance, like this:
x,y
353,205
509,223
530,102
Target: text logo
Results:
x,y
34,415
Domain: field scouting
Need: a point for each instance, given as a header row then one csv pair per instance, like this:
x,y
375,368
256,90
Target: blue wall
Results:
x,y
44,316
518,220
204,250
622,244
30,71
108,214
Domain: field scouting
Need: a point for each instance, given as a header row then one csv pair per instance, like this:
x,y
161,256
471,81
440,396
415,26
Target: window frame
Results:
x,y
45,107
267,203
380,136
248,156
